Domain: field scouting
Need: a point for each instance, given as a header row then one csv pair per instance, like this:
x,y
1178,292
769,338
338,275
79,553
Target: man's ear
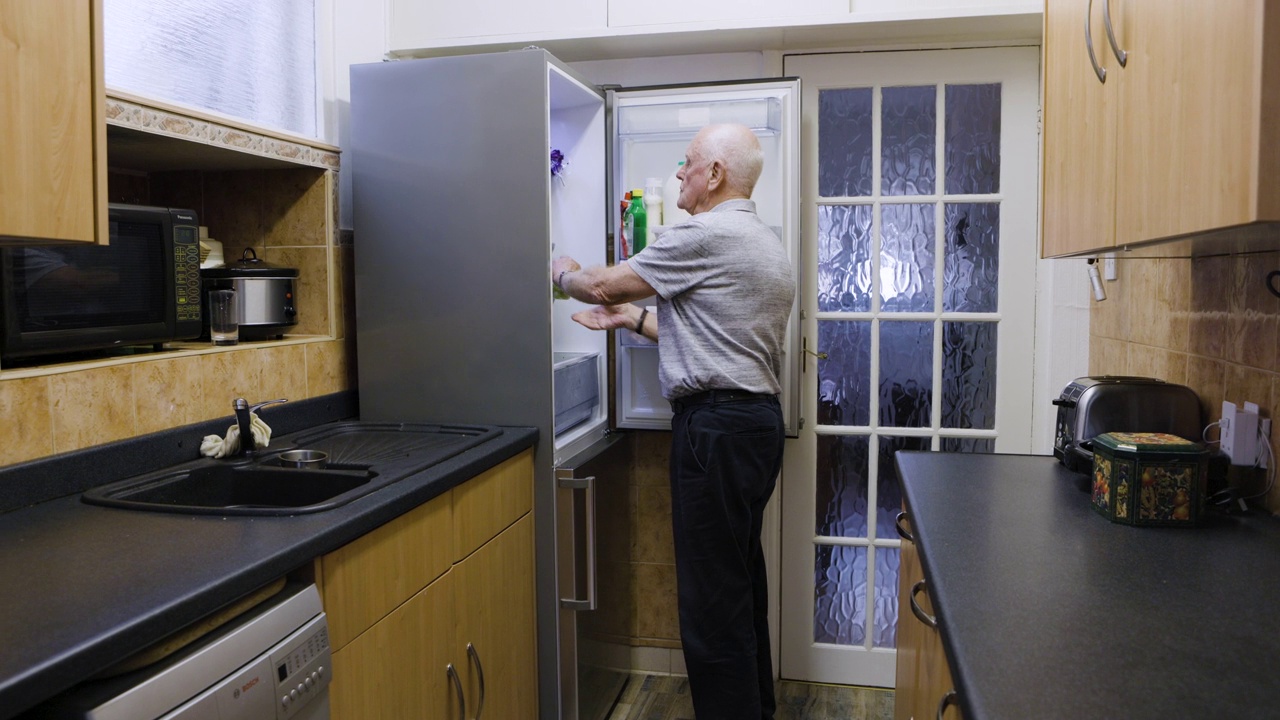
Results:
x,y
715,176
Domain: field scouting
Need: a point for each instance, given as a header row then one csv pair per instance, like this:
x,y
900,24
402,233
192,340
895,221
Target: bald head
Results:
x,y
723,162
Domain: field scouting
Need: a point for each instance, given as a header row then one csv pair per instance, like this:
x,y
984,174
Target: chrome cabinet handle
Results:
x,y
923,616
903,532
1098,70
584,530
1121,55
457,690
475,657
947,700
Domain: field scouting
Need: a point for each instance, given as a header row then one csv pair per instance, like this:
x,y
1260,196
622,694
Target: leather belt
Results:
x,y
708,397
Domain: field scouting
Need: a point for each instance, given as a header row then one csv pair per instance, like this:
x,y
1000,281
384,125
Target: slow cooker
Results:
x,y
265,294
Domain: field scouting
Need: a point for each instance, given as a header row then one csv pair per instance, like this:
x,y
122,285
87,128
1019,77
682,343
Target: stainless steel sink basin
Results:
x,y
362,458
215,487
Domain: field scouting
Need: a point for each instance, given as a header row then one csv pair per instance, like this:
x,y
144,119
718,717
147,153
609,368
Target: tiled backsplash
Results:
x,y
59,412
1208,323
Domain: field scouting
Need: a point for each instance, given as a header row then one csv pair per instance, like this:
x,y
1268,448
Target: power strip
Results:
x,y
1239,433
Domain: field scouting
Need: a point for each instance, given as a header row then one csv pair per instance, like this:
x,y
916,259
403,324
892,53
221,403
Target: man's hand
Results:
x,y
564,263
608,317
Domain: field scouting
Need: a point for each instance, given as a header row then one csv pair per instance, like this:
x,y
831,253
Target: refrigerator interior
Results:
x,y
576,129
652,131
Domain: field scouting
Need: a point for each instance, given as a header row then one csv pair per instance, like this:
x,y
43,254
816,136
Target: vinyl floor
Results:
x,y
666,697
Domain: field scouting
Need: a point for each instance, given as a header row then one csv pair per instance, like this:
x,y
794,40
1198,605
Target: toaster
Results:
x,y
1091,406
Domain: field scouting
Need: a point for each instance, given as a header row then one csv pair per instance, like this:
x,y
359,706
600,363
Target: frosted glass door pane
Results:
x,y
249,59
973,139
906,258
844,378
844,258
840,595
908,137
885,615
906,373
841,495
969,375
971,276
844,142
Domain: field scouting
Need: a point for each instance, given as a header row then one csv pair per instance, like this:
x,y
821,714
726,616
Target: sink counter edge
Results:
x,y
86,586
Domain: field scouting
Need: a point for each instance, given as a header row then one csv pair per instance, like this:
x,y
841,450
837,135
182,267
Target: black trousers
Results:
x,y
725,459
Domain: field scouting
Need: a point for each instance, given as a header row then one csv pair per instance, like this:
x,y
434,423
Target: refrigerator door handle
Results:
x,y
584,540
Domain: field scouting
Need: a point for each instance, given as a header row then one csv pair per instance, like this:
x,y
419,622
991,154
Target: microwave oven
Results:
x,y
143,287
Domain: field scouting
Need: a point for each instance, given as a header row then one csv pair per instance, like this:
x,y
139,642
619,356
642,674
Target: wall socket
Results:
x,y
1239,433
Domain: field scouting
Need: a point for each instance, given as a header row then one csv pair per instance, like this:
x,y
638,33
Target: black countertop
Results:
x,y
1048,610
85,586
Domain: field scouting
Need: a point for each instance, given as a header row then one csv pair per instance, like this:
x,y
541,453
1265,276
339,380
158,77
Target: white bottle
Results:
x,y
653,207
672,214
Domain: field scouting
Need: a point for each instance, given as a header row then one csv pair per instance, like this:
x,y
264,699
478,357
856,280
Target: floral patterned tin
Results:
x,y
1149,479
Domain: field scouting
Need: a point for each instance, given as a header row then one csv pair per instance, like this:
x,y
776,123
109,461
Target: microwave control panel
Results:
x,y
186,270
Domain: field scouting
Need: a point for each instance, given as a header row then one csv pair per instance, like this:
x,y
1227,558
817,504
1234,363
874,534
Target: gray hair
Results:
x,y
737,148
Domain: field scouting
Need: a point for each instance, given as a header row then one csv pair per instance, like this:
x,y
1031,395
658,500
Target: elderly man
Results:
x,y
725,289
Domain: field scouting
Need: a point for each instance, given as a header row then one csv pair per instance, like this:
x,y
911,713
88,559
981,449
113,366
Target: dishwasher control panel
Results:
x,y
302,667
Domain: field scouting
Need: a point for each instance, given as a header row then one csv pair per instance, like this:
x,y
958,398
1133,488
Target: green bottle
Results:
x,y
639,221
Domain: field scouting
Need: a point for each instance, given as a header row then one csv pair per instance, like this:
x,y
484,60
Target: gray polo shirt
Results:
x,y
725,289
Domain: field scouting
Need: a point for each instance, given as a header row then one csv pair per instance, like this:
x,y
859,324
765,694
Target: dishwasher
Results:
x,y
270,663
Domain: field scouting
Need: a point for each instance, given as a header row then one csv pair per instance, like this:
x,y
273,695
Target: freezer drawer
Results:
x,y
576,379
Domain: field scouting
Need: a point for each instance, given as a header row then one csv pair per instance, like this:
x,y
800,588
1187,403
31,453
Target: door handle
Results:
x,y
1098,70
584,532
457,690
1122,56
916,610
474,657
804,350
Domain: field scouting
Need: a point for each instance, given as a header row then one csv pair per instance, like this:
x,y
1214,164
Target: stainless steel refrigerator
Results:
x,y
458,214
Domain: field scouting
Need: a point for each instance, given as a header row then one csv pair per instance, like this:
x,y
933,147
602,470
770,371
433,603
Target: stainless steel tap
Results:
x,y
244,421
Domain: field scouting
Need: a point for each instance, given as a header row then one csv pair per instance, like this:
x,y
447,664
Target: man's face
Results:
x,y
693,178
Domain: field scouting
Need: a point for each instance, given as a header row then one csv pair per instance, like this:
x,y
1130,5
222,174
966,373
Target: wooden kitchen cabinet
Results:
x,y
1181,139
53,167
405,601
923,676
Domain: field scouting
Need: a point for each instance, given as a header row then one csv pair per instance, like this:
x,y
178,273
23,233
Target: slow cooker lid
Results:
x,y
249,265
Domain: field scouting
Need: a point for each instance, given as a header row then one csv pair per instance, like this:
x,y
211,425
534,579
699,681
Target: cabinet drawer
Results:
x,y
366,579
490,503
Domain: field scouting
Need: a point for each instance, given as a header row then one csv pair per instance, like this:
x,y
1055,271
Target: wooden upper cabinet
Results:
x,y
1196,117
1079,132
53,167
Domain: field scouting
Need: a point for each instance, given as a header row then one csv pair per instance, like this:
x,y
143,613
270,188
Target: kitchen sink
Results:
x,y
215,487
363,457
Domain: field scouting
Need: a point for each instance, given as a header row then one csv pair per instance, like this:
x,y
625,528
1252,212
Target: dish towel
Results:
x,y
216,447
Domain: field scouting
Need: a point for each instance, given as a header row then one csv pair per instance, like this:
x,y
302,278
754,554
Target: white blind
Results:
x,y
251,59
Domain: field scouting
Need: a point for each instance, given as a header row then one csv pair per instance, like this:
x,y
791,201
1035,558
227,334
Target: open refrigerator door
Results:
x,y
651,129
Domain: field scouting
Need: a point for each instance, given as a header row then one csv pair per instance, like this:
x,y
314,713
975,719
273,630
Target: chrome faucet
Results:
x,y
244,421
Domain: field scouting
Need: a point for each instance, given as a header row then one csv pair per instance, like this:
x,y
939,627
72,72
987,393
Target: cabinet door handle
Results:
x,y
457,690
475,658
1121,55
947,700
903,532
923,616
1098,70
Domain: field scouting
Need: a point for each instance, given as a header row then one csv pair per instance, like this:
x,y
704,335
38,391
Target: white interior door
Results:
x,y
919,223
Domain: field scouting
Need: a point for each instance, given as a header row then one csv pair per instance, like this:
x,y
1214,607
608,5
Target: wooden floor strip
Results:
x,y
666,697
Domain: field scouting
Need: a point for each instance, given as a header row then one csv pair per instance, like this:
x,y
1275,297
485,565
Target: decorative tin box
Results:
x,y
1148,478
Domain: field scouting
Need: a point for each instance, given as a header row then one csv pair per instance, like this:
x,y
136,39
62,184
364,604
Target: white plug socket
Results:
x,y
1239,433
